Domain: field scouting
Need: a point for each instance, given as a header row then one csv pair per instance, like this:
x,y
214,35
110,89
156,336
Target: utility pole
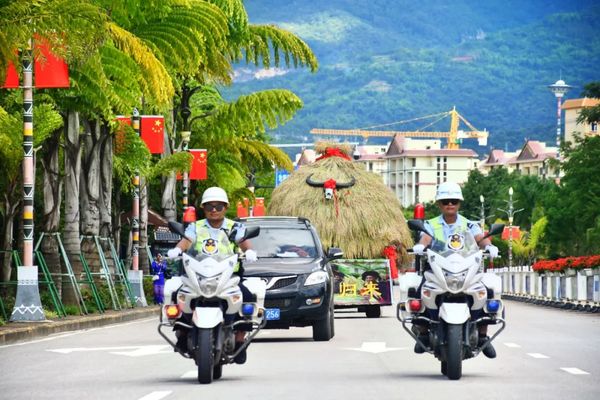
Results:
x,y
510,212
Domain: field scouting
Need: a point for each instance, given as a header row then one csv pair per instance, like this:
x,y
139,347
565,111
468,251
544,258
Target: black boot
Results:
x,y
425,340
489,350
241,357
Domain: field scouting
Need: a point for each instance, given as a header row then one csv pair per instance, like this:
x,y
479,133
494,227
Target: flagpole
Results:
x,y
28,306
135,274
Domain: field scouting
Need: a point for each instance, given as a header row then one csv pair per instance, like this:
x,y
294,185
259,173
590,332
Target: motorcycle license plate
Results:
x,y
272,314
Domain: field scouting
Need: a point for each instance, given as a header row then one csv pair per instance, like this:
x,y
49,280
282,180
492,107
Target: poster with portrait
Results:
x,y
362,282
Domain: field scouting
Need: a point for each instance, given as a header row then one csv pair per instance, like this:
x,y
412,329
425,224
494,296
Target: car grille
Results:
x,y
278,283
278,303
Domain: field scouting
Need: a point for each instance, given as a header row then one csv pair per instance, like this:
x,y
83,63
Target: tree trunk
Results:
x,y
72,173
52,203
91,179
106,185
169,194
11,205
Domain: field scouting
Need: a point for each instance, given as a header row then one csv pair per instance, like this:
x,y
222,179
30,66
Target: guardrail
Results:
x,y
572,289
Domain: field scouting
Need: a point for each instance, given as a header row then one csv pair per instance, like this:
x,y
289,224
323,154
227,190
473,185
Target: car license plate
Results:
x,y
272,314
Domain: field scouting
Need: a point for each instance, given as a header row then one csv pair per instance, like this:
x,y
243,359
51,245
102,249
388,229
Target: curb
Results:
x,y
15,332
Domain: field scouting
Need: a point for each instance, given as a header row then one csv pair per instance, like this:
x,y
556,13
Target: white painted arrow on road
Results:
x,y
375,347
134,351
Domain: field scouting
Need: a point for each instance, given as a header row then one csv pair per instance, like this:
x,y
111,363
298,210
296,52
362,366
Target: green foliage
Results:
x,y
591,114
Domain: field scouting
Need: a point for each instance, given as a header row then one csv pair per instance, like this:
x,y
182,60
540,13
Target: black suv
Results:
x,y
292,262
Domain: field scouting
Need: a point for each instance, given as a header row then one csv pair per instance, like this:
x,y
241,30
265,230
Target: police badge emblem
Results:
x,y
456,242
210,247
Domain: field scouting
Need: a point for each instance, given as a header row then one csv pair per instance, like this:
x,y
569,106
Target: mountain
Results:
x,y
384,61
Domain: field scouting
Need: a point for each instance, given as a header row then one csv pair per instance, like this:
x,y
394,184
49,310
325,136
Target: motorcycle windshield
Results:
x,y
462,243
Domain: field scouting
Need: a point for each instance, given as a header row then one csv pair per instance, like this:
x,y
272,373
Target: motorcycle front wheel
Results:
x,y
454,351
204,355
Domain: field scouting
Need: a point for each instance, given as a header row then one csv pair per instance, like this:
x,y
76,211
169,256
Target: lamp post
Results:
x,y
510,212
559,88
482,215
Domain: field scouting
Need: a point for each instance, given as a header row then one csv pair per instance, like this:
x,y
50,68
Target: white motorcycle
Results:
x,y
204,306
454,299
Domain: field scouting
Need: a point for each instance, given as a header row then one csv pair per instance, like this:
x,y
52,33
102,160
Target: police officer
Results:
x,y
450,222
211,236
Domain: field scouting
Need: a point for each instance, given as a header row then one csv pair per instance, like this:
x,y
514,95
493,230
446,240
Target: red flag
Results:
x,y
119,143
152,129
242,211
51,71
12,78
199,165
259,207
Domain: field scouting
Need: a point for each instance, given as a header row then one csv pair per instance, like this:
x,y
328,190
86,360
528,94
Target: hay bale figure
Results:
x,y
351,208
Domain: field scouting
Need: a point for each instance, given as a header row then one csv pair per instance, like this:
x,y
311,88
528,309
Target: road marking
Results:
x,y
190,374
512,345
537,355
135,351
375,347
575,371
156,395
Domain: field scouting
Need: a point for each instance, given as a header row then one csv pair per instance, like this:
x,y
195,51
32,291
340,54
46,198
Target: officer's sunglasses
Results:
x,y
213,207
450,201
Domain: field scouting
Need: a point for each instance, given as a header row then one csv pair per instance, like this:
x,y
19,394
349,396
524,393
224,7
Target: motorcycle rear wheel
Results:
x,y
454,352
204,356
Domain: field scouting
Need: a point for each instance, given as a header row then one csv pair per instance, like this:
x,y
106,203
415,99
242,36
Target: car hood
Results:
x,y
281,266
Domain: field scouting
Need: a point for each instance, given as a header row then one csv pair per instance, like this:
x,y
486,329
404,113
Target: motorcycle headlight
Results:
x,y
208,286
455,281
315,278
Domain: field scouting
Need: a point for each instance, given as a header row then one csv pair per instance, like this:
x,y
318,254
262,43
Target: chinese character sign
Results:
x,y
362,282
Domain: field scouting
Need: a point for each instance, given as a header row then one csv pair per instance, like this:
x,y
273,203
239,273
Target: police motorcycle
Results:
x,y
204,306
455,297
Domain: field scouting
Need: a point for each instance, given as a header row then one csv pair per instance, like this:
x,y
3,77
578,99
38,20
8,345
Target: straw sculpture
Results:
x,y
361,220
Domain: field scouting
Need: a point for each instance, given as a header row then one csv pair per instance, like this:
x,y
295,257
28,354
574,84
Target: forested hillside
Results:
x,y
385,61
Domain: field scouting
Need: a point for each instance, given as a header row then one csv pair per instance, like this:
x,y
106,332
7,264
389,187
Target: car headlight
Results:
x,y
315,278
208,286
455,281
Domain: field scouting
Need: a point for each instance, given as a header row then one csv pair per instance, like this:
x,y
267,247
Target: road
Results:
x,y
543,354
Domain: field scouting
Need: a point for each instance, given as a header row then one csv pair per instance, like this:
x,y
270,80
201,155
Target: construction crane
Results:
x,y
454,136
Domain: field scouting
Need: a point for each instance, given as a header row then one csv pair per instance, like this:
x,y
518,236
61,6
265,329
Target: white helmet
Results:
x,y
214,194
448,190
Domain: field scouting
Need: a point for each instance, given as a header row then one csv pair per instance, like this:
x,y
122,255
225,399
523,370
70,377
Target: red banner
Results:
x,y
259,207
152,130
198,171
119,143
49,71
242,212
12,78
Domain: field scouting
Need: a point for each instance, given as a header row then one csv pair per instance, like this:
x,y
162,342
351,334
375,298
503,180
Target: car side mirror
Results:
x,y
334,253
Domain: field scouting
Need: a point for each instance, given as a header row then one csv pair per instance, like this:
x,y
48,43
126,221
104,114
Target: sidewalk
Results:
x,y
14,332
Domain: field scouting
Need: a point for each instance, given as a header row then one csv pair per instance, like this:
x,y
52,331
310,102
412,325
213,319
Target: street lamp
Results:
x,y
510,212
559,88
481,200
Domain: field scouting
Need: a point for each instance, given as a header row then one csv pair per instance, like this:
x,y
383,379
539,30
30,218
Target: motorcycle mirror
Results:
x,y
418,225
178,228
495,229
251,232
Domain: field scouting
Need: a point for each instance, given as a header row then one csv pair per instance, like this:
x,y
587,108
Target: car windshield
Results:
x,y
462,243
284,243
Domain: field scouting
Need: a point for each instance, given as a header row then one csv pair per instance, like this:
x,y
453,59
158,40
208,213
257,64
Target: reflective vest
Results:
x,y
461,225
205,244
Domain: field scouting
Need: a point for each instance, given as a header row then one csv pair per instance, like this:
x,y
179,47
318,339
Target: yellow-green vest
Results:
x,y
438,227
202,234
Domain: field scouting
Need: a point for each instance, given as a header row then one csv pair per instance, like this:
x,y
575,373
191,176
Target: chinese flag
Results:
x,y
242,211
259,207
51,71
119,143
198,171
152,129
12,78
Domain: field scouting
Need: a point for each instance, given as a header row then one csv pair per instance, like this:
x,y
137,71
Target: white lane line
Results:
x,y
537,355
575,371
514,345
190,374
156,395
